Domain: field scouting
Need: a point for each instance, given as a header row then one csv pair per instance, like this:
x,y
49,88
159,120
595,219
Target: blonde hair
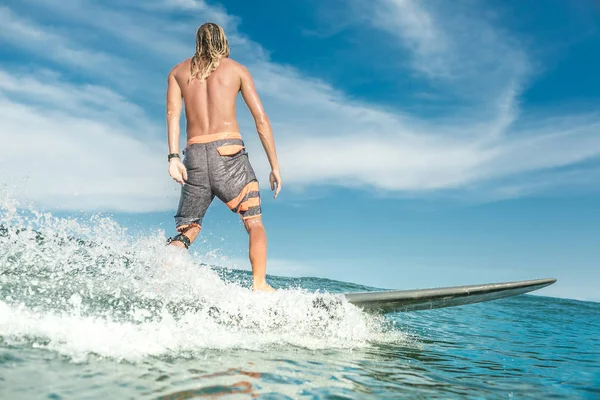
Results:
x,y
211,46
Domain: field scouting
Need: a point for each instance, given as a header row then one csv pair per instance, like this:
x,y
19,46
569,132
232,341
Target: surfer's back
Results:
x,y
210,105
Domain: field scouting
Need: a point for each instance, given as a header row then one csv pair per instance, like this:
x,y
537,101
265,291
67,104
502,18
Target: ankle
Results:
x,y
262,286
259,281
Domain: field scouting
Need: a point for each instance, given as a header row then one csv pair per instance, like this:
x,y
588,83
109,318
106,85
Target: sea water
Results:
x,y
88,311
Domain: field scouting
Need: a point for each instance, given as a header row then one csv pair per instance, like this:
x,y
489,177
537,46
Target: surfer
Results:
x,y
215,160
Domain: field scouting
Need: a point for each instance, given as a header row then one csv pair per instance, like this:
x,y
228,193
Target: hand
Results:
x,y
177,170
275,179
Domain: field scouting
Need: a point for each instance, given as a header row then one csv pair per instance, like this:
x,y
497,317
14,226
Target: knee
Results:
x,y
253,224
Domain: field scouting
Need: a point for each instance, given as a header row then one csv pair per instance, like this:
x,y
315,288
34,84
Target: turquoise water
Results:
x,y
83,319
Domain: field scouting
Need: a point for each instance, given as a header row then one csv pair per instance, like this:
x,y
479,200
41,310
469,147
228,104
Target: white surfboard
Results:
x,y
425,299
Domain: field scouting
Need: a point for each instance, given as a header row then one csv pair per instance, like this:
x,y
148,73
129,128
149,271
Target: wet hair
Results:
x,y
211,46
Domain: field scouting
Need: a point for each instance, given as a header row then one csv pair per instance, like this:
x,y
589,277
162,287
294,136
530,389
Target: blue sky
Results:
x,y
422,144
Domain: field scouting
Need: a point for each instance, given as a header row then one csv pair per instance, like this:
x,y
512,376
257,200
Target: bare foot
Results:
x,y
262,287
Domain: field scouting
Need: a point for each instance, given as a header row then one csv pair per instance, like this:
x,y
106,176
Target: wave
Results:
x,y
85,287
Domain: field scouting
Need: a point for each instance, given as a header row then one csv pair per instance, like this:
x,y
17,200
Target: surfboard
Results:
x,y
426,299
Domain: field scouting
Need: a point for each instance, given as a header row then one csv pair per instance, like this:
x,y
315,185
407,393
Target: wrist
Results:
x,y
173,156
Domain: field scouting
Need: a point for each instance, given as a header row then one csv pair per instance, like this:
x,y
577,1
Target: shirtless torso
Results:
x,y
216,163
210,106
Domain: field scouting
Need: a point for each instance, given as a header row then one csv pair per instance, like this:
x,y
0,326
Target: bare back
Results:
x,y
210,105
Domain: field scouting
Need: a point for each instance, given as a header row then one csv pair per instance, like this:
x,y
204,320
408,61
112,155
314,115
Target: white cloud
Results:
x,y
475,66
213,13
323,136
43,42
74,146
417,29
451,41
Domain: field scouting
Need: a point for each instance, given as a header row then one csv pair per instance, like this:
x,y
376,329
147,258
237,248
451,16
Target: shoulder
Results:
x,y
179,67
234,65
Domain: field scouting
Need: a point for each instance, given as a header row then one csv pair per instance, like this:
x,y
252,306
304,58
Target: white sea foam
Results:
x,y
128,297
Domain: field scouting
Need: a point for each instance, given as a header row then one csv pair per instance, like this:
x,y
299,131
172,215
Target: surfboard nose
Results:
x,y
426,299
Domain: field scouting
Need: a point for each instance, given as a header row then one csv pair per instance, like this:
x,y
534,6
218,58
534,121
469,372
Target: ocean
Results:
x,y
90,311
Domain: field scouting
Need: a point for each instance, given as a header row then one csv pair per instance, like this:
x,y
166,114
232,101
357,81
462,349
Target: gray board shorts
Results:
x,y
217,165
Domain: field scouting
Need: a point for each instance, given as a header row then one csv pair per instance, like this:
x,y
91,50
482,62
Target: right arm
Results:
x,y
174,104
263,125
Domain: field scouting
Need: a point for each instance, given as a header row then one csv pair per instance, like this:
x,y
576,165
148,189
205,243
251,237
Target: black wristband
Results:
x,y
172,155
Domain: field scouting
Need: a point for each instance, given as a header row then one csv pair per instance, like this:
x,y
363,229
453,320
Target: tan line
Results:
x,y
201,139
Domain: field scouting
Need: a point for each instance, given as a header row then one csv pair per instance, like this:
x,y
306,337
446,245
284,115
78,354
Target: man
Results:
x,y
216,162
